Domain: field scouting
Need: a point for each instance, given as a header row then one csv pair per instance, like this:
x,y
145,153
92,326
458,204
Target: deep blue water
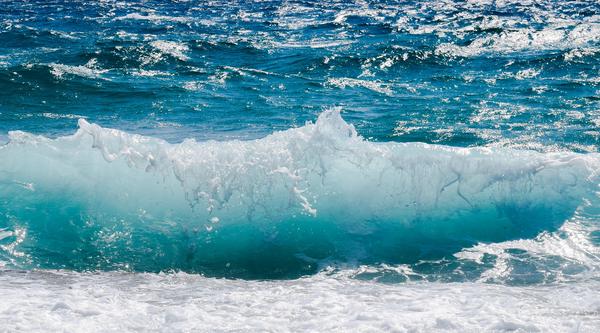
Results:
x,y
448,72
519,78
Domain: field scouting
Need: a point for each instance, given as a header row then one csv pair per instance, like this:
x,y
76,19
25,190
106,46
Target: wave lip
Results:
x,y
278,206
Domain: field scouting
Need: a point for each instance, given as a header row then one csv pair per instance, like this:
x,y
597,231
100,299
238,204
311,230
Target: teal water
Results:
x,y
454,140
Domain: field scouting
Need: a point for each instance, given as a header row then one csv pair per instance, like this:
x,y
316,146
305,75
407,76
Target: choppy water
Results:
x,y
365,158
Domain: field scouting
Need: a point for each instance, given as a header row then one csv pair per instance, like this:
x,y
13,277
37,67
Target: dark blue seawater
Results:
x,y
449,72
411,140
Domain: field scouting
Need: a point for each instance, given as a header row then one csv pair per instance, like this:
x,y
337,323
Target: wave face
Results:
x,y
282,206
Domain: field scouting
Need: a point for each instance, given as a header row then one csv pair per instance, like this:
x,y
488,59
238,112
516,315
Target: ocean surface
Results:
x,y
217,166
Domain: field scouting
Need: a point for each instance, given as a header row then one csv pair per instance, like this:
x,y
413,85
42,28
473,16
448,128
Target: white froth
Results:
x,y
175,49
117,302
89,70
526,40
154,18
342,83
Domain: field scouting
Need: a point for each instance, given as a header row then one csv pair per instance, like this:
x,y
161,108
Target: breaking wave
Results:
x,y
281,206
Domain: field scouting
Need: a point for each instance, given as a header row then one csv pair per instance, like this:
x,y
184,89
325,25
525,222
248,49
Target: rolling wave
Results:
x,y
280,206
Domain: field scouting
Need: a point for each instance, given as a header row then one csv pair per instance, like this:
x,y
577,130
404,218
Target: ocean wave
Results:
x,y
314,44
89,70
176,50
153,17
278,206
567,255
526,40
342,83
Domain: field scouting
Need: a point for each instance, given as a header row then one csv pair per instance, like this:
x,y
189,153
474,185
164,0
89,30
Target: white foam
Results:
x,y
342,83
570,243
526,40
89,70
313,44
44,301
150,73
175,49
154,18
62,116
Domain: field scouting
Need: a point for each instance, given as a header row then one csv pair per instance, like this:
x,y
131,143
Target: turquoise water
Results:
x,y
411,140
